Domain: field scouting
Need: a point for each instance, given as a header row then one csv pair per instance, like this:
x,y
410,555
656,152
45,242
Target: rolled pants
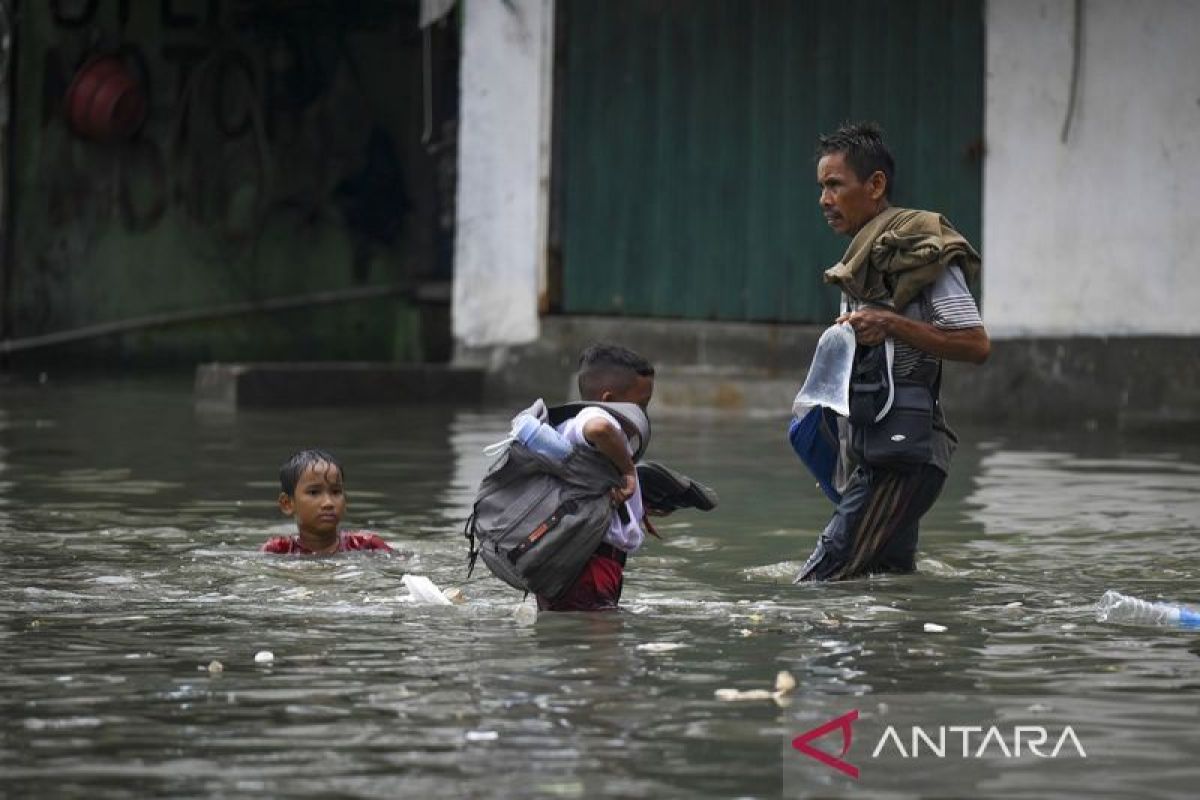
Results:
x,y
874,528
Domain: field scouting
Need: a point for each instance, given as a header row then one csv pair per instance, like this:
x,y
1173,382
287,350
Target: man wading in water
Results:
x,y
918,298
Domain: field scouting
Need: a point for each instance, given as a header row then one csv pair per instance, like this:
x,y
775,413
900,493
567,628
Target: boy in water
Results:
x,y
313,493
610,374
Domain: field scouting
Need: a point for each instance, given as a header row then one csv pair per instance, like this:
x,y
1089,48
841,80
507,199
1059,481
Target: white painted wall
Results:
x,y
1100,235
503,170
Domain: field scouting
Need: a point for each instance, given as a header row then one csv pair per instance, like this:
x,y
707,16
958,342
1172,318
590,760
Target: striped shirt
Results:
x,y
946,304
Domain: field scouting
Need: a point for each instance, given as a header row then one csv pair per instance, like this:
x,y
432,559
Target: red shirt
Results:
x,y
347,540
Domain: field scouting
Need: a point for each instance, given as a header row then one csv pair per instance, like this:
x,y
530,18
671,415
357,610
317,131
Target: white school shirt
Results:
x,y
627,536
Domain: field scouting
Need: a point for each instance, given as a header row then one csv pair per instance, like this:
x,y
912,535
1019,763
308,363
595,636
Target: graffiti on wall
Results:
x,y
248,113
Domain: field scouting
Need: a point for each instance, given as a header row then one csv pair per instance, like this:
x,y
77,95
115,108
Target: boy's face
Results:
x,y
319,502
639,391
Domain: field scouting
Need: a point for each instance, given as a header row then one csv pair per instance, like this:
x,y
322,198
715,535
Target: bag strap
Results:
x,y
630,415
935,386
922,375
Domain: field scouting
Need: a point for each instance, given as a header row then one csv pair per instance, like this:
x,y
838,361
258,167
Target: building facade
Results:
x,y
653,159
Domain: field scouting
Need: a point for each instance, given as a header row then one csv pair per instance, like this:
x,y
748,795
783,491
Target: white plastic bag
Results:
x,y
424,591
828,380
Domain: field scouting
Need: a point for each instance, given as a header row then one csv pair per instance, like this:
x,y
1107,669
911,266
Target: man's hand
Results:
x,y
871,325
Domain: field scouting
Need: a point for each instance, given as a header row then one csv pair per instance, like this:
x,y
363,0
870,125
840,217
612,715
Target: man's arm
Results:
x,y
872,325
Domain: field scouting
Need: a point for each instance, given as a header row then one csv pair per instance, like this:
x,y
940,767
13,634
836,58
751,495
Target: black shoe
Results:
x,y
665,490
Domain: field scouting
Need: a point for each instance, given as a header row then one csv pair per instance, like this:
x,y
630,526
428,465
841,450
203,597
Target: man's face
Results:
x,y
319,502
847,202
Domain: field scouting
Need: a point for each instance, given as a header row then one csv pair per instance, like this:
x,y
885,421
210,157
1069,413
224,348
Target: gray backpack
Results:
x,y
537,520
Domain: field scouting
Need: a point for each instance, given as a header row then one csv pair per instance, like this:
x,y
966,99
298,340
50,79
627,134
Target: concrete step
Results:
x,y
293,385
683,390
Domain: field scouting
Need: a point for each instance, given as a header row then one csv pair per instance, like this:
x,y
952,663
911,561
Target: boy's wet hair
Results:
x,y
862,145
294,467
609,367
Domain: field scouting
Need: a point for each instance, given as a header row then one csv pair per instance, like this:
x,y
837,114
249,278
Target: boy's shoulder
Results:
x,y
363,540
629,418
595,412
572,428
280,544
349,540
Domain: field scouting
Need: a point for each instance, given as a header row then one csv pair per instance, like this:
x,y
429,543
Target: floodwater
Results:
x,y
129,523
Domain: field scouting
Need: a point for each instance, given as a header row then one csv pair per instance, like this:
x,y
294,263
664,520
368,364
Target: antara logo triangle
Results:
x,y
843,723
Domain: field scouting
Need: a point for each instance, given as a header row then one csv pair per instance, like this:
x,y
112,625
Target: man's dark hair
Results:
x,y
294,467
862,145
609,367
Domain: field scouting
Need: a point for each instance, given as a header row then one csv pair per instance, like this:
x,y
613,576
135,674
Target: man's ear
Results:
x,y
285,504
606,396
877,185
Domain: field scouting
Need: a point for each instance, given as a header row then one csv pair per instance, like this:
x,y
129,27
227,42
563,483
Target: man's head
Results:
x,y
614,374
313,491
855,171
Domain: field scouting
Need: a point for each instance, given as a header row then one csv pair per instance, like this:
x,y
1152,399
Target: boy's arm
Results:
x,y
610,441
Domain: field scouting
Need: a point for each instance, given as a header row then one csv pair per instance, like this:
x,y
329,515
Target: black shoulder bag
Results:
x,y
898,436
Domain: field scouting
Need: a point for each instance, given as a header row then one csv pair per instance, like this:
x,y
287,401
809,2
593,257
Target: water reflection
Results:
x,y
1051,492
129,565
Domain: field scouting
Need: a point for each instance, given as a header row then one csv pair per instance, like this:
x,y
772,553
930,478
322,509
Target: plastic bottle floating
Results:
x,y
1121,608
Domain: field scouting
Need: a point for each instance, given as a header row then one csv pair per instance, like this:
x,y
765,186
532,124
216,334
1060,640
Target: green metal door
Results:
x,y
687,184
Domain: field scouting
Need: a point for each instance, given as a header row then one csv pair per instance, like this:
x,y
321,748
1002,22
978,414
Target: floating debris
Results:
x,y
933,627
660,647
744,694
526,612
455,595
482,736
424,591
264,657
215,666
785,684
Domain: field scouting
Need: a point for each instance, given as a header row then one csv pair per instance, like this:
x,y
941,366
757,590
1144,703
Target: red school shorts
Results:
x,y
598,587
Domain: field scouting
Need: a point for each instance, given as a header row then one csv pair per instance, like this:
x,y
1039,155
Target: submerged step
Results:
x,y
755,392
335,383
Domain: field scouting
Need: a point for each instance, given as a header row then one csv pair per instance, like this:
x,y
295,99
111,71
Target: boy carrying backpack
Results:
x,y
560,521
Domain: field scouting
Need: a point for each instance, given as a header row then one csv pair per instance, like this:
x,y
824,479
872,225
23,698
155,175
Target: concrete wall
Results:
x,y
503,171
1097,235
280,194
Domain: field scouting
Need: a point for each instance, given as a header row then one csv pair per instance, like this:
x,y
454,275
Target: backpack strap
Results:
x,y
633,420
472,545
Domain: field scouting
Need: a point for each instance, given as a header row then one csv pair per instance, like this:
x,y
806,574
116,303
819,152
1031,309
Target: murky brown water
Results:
x,y
129,524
